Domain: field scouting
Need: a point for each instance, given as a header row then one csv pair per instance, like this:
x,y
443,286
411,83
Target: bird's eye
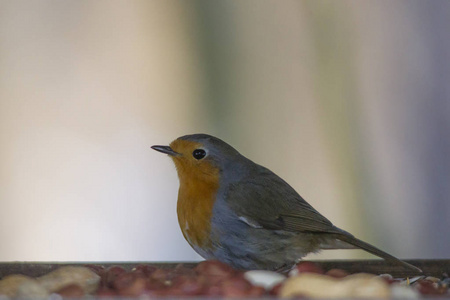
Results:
x,y
199,153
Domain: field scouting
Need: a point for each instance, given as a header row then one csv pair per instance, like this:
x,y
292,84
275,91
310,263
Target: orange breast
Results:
x,y
195,204
199,182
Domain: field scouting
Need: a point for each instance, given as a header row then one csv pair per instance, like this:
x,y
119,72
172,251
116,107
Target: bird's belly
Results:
x,y
264,249
247,247
198,236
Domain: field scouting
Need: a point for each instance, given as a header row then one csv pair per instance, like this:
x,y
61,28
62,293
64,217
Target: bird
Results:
x,y
240,213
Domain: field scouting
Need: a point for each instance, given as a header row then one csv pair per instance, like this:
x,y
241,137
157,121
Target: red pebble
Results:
x,y
71,291
186,285
337,273
308,267
124,280
214,268
99,270
257,291
235,287
213,291
275,290
147,270
136,288
111,274
428,287
181,269
154,285
105,292
155,293
212,272
161,274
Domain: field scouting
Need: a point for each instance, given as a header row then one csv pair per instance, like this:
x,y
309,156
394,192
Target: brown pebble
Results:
x,y
136,288
432,279
105,292
71,291
57,279
256,291
236,287
161,274
337,273
214,268
147,270
111,274
428,287
11,283
275,290
185,286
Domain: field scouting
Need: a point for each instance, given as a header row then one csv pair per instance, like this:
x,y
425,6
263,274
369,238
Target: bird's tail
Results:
x,y
350,239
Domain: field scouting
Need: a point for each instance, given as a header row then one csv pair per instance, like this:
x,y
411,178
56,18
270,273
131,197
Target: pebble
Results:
x,y
61,277
21,286
312,285
265,279
432,279
31,289
399,291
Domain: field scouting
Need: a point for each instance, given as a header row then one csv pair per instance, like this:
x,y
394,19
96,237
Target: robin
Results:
x,y
236,211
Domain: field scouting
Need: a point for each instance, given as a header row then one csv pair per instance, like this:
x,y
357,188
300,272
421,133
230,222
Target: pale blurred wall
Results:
x,y
348,101
86,88
403,82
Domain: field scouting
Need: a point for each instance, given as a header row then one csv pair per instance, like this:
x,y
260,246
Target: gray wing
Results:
x,y
271,202
268,201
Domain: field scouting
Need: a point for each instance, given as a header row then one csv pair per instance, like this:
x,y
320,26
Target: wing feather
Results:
x,y
271,202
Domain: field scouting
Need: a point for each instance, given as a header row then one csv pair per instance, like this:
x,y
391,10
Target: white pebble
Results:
x,y
312,285
403,292
266,279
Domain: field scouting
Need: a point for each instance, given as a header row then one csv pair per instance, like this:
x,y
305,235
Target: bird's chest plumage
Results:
x,y
195,208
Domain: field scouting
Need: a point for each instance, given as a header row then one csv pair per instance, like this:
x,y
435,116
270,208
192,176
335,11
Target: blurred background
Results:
x,y
348,101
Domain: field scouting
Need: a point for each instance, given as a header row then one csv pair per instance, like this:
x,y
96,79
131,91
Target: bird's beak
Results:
x,y
165,149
